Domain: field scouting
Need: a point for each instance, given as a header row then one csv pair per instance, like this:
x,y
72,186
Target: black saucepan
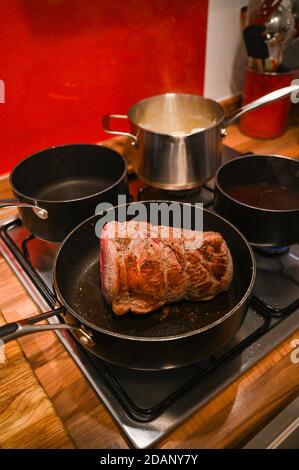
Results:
x,y
186,334
261,226
58,188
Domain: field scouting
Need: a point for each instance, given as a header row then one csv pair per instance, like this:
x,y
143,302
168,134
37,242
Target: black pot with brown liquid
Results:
x,y
259,194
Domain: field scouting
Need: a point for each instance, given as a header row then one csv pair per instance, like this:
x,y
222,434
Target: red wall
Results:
x,y
65,63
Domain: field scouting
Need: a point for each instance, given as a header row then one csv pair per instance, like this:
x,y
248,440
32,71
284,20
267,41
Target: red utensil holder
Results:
x,y
269,121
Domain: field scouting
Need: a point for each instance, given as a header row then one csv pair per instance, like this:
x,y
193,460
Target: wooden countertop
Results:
x,y
46,403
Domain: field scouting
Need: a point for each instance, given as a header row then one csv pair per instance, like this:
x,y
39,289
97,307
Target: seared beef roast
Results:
x,y
142,270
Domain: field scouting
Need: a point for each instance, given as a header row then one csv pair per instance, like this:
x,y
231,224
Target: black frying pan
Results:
x,y
172,336
58,188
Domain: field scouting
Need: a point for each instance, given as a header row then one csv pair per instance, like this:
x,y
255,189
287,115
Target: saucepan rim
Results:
x,y
165,134
65,201
243,204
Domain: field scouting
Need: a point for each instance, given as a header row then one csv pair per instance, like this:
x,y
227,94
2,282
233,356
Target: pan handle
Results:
x,y
269,98
27,326
107,127
24,327
41,213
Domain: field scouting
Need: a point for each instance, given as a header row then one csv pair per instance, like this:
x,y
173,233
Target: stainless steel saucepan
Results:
x,y
177,138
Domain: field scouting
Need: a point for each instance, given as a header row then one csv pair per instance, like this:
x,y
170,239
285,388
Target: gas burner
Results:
x,y
203,195
273,250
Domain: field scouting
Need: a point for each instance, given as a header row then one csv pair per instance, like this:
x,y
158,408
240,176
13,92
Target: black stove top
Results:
x,y
203,195
147,405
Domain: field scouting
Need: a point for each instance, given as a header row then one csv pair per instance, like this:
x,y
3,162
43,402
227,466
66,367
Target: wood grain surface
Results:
x,y
287,144
27,416
45,401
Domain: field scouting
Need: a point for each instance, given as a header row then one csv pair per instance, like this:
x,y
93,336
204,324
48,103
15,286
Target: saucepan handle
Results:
x,y
40,212
107,126
22,327
262,101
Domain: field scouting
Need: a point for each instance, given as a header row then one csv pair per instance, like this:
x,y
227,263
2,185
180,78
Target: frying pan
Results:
x,y
59,187
173,336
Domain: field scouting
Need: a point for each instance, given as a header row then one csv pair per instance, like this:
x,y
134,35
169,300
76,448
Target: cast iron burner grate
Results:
x,y
203,195
145,407
177,385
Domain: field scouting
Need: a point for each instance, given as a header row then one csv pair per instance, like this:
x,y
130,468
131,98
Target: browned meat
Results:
x,y
141,273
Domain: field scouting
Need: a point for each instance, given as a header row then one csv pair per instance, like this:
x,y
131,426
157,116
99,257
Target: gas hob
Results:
x,y
148,405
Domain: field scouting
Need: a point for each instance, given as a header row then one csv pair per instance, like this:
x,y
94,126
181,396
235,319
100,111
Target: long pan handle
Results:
x,y
269,98
41,213
27,326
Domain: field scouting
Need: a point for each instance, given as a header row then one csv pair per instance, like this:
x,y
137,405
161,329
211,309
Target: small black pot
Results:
x,y
262,227
56,189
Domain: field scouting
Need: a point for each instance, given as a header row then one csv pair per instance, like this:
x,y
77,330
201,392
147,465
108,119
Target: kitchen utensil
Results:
x,y
291,56
271,121
254,38
243,17
177,138
256,64
270,65
281,22
172,336
270,27
259,11
262,227
58,188
295,11
280,30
